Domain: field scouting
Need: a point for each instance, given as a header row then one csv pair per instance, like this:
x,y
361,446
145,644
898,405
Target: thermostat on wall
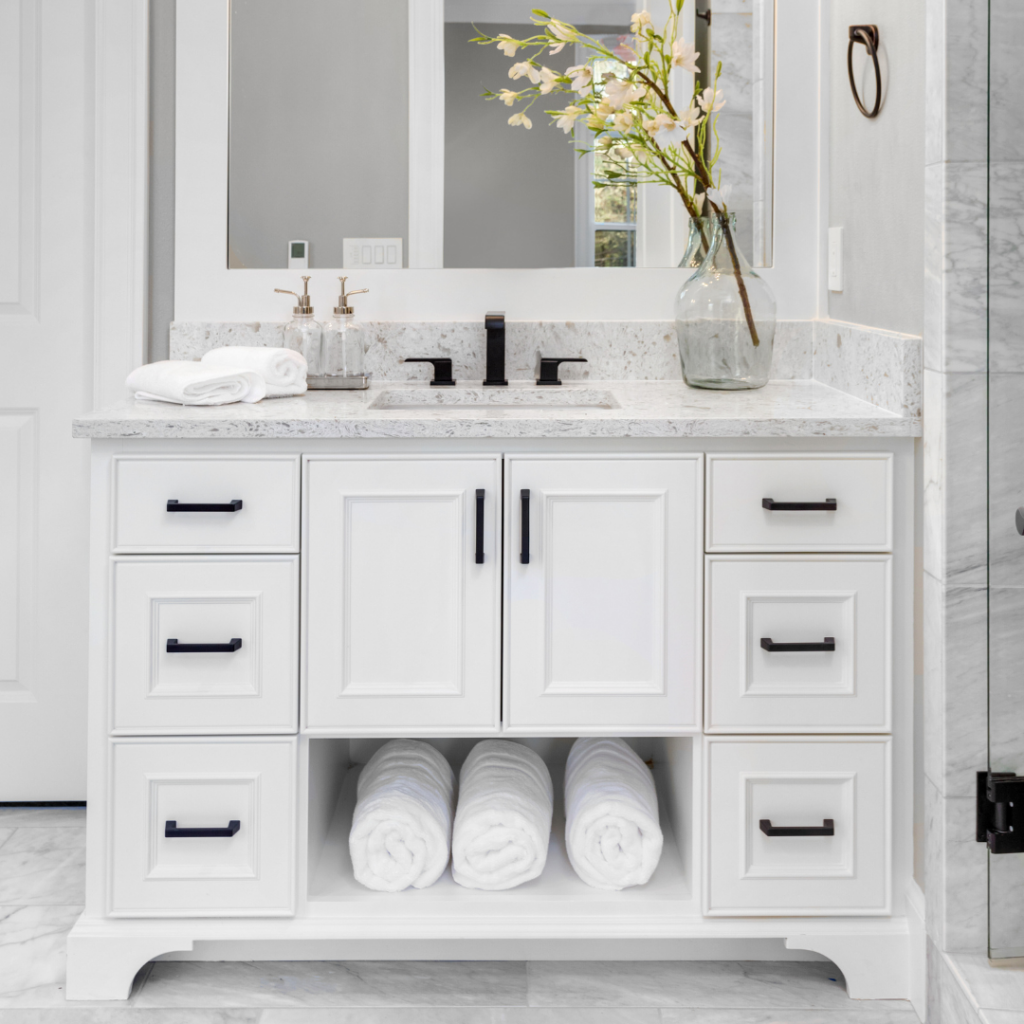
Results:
x,y
376,253
298,255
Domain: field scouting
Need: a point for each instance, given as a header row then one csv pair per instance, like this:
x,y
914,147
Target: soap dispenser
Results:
x,y
344,347
304,334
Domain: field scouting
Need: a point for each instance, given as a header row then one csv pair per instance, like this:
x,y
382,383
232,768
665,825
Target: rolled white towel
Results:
x,y
283,369
612,833
187,383
402,826
503,821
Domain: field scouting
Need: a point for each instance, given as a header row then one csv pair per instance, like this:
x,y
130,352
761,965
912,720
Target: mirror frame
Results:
x,y
206,290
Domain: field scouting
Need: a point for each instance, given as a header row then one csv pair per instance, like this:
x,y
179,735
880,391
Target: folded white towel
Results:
x,y
187,383
503,821
402,826
283,369
612,833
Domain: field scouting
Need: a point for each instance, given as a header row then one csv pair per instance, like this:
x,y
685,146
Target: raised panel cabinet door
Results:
x,y
402,585
603,584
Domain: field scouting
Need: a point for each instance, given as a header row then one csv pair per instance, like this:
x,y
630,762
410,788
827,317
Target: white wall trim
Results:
x,y
121,194
205,290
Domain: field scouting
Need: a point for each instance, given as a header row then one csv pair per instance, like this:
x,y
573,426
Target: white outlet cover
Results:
x,y
835,259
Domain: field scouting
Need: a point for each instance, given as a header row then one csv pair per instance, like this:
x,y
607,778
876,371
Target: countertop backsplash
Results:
x,y
877,366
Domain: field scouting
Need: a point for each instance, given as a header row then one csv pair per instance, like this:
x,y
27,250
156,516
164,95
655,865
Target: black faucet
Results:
x,y
495,324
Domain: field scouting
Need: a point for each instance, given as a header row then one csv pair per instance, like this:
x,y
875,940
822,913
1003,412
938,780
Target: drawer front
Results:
x,y
602,619
268,520
758,606
402,596
739,485
232,803
759,791
247,609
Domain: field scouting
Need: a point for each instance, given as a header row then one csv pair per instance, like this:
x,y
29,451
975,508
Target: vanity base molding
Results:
x,y
236,690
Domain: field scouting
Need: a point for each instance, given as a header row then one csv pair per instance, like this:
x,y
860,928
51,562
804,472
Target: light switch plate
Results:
x,y
835,259
372,253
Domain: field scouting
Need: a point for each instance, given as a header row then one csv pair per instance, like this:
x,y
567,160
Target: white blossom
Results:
x,y
582,77
711,100
619,93
508,96
566,121
520,118
684,55
508,46
524,67
624,120
548,80
640,22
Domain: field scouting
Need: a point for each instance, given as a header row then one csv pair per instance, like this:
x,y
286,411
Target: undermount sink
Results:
x,y
495,398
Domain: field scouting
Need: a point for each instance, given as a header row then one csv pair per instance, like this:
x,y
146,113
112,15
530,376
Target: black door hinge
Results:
x,y
1000,817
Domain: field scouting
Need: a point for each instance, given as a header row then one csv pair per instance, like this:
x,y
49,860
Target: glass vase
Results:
x,y
698,242
725,317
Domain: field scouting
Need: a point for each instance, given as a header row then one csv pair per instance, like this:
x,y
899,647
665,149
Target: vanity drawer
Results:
x,y
739,486
757,605
247,609
241,791
811,787
266,521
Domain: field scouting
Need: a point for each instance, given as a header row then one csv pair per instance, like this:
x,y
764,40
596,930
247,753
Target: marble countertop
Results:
x,y
650,409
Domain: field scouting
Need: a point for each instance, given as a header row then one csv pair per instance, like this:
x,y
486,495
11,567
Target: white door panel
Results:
x,y
602,620
46,168
402,619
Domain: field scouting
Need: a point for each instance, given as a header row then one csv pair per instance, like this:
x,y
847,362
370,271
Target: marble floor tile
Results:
x,y
1003,1016
42,817
32,951
725,984
863,1013
321,983
43,866
993,988
462,1015
5,834
75,1014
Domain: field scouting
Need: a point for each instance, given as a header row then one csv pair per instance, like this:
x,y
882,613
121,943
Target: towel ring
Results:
x,y
868,35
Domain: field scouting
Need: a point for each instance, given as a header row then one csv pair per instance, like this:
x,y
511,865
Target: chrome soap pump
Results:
x,y
304,334
344,346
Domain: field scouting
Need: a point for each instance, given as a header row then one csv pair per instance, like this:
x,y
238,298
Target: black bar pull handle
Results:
x,y
524,549
769,644
828,828
173,647
173,505
828,505
480,526
171,831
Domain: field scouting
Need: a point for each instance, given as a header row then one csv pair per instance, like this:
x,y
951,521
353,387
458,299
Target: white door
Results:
x,y
402,596
603,583
46,208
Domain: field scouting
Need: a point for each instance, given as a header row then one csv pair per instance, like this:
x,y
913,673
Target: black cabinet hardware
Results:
x,y
1000,812
442,371
770,645
173,505
171,831
549,368
173,647
480,526
494,325
524,548
1018,520
828,505
828,828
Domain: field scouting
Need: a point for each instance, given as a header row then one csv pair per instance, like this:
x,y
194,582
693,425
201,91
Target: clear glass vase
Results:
x,y
698,242
725,316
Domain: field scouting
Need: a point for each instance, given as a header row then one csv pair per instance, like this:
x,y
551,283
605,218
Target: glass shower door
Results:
x,y
1006,447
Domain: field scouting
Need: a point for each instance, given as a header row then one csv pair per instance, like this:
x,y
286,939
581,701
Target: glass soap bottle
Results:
x,y
304,334
344,347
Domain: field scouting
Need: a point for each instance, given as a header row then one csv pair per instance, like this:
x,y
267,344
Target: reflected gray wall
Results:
x,y
509,193
319,127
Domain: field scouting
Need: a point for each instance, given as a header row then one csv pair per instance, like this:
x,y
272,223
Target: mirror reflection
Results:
x,y
335,143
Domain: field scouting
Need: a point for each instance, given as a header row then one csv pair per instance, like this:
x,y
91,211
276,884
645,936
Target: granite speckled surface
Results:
x,y
643,409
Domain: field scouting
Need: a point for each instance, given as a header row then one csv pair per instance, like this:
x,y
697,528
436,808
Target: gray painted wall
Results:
x,y
509,193
319,127
876,176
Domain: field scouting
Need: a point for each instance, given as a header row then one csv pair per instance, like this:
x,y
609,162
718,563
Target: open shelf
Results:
x,y
558,892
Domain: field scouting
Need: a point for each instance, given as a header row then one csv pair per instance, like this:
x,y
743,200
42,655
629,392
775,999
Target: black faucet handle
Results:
x,y
549,368
494,321
442,370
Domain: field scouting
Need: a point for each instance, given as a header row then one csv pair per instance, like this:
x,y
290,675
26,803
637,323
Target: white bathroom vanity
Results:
x,y
725,579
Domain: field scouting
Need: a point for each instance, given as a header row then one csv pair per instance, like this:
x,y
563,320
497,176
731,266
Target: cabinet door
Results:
x,y
603,610
402,584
